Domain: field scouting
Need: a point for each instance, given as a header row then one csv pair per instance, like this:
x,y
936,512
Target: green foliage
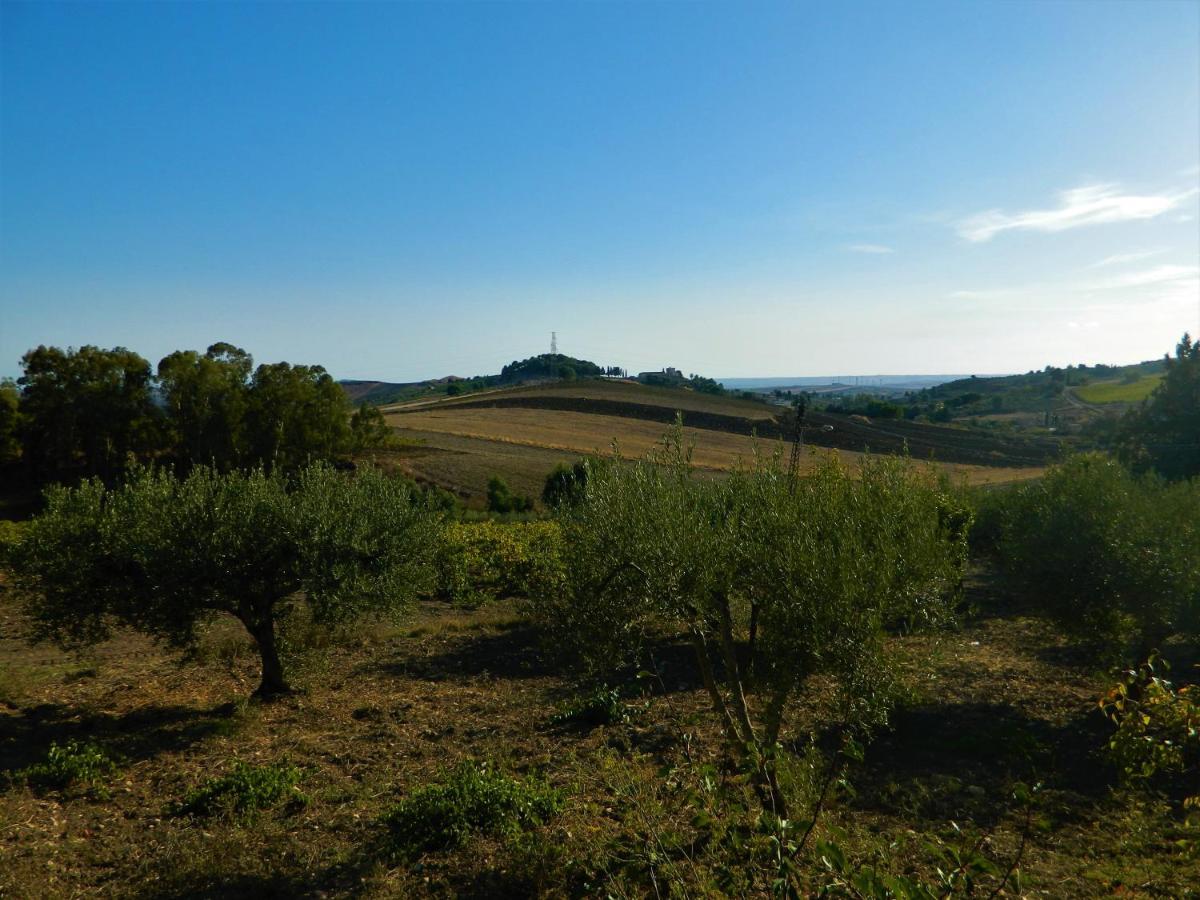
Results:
x,y
10,421
1158,726
163,554
1105,553
368,430
565,484
548,365
487,560
206,400
84,412
244,791
295,415
809,571
73,764
602,705
472,799
500,498
1163,435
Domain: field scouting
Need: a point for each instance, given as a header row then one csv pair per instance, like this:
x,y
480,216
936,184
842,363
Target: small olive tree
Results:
x,y
163,554
772,579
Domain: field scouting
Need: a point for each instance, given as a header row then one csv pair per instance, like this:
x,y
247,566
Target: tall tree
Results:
x,y
296,414
206,399
10,399
86,411
1163,434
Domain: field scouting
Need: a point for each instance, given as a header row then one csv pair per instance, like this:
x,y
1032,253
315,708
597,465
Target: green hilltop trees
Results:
x,y
163,554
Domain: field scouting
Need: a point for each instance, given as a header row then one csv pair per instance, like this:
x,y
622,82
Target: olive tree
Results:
x,y
808,572
163,554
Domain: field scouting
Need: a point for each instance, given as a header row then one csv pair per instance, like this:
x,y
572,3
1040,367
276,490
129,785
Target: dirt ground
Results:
x,y
1000,700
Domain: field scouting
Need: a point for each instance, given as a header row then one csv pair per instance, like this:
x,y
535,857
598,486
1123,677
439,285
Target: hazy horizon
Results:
x,y
402,191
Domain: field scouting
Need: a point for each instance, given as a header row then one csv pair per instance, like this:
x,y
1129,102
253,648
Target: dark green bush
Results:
x,y
472,799
244,791
1109,555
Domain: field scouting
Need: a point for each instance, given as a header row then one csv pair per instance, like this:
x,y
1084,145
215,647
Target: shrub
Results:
x,y
163,554
500,498
601,705
72,764
244,791
1158,725
488,560
565,484
1107,554
472,799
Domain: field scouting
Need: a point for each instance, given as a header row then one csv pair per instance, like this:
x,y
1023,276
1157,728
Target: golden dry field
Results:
x,y
460,447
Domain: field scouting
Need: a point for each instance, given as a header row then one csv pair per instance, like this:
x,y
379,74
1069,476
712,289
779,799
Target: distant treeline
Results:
x,y
91,411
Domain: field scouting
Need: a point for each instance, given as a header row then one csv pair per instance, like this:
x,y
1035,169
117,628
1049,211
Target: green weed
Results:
x,y
244,791
472,799
73,764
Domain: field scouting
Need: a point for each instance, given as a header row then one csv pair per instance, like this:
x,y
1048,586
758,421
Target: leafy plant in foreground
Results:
x,y
244,791
472,799
72,764
1158,726
601,705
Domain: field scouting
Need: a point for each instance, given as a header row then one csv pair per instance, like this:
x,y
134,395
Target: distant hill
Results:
x,y
1034,392
544,367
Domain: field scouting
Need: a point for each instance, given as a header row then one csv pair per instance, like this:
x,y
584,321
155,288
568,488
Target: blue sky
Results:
x,y
401,191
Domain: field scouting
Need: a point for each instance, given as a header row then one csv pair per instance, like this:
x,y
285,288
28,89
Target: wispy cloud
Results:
x,y
1121,258
1156,275
1095,204
870,248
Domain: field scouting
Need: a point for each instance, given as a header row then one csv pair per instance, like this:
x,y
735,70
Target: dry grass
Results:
x,y
999,701
493,434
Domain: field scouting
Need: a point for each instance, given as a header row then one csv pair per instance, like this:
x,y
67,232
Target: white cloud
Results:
x,y
1085,326
1095,204
1120,258
1156,275
870,248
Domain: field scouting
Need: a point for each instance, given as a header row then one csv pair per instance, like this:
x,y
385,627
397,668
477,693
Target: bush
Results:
x,y
601,705
1158,726
483,561
472,799
501,500
565,484
72,764
1109,555
244,791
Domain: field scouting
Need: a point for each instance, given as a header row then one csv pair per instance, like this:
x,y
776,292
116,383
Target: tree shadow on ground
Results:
x,y
512,653
144,733
960,761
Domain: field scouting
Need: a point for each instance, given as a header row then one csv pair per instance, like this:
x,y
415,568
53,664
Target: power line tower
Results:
x,y
797,444
554,343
